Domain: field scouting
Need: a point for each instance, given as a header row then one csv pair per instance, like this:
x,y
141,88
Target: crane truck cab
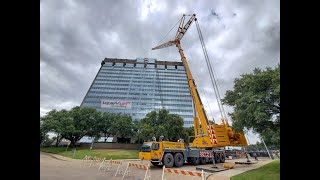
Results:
x,y
154,151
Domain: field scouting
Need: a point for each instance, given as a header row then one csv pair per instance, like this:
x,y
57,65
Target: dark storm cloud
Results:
x,y
76,35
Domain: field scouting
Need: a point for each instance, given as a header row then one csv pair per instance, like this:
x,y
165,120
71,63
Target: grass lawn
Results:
x,y
268,171
101,153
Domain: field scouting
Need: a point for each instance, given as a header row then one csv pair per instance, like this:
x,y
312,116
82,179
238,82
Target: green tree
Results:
x,y
256,101
145,132
122,126
43,131
157,123
47,141
187,132
174,126
73,124
79,122
51,123
104,124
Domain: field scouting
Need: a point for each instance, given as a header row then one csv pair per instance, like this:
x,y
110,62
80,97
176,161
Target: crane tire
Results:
x,y
178,160
222,157
203,161
217,158
195,161
168,160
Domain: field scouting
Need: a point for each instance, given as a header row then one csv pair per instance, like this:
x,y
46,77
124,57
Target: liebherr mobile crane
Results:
x,y
209,139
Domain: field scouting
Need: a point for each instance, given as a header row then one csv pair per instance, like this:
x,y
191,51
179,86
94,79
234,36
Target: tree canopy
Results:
x,y
122,126
160,123
83,121
104,124
256,101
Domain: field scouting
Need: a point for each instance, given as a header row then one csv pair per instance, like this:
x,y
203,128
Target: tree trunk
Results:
x,y
106,138
58,140
105,135
72,143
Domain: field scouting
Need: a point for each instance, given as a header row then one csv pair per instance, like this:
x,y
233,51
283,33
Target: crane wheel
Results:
x,y
217,158
203,161
195,161
168,160
222,157
178,160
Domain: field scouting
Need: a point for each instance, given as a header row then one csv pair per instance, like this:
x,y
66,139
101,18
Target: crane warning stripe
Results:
x,y
210,129
206,154
213,136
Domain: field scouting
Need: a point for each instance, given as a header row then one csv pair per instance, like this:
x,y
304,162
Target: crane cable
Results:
x,y
211,73
205,95
217,82
170,30
209,67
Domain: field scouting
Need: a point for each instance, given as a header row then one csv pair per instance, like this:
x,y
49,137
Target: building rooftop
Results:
x,y
143,61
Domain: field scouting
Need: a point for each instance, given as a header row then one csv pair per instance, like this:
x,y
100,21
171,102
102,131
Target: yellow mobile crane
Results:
x,y
208,138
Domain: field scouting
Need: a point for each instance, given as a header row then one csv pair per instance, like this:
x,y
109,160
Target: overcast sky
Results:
x,y
75,36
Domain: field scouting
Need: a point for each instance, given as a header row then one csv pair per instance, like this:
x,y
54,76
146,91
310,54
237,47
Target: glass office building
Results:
x,y
138,86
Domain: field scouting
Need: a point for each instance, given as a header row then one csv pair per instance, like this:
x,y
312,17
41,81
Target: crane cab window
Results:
x,y
146,147
155,146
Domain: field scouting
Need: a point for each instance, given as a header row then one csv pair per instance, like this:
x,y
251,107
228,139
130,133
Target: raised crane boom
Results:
x,y
193,89
180,33
205,135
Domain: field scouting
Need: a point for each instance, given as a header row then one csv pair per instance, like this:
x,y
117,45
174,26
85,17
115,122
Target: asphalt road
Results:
x,y
55,167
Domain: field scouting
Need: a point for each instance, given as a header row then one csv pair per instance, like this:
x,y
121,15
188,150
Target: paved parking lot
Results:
x,y
55,167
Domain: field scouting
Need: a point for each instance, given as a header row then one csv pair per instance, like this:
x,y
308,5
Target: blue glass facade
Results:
x,y
136,87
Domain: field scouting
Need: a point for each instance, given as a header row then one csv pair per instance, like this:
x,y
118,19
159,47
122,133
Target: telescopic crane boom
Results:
x,y
206,135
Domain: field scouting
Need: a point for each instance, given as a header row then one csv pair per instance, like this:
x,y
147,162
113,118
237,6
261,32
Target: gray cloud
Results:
x,y
76,35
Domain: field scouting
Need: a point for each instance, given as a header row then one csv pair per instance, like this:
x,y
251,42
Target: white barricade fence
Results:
x,y
96,160
86,160
104,165
130,166
182,172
